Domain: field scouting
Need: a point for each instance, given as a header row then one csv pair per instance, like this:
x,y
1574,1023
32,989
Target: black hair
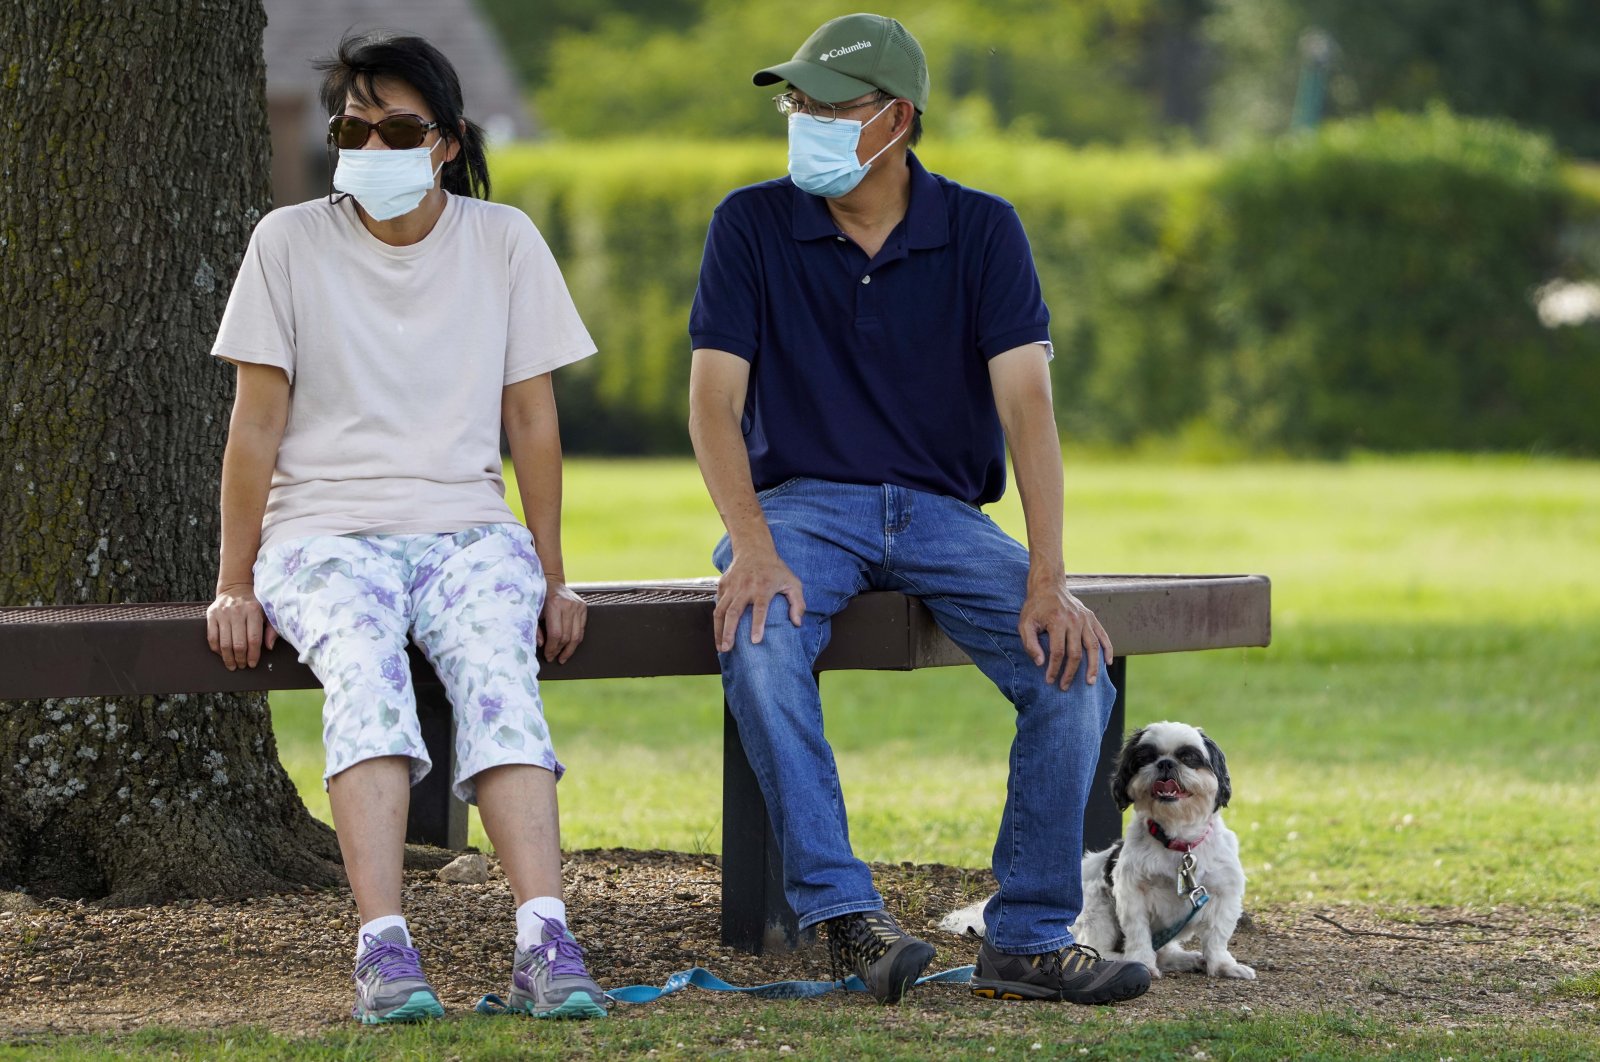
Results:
x,y
916,118
1135,755
364,58
1122,777
1219,767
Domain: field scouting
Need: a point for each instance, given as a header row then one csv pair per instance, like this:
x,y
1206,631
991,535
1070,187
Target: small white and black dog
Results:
x,y
1176,871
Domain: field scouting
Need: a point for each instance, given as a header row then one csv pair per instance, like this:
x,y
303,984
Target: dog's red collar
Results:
x,y
1177,846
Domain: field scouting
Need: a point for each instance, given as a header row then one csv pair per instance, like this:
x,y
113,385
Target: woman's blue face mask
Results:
x,y
388,183
822,155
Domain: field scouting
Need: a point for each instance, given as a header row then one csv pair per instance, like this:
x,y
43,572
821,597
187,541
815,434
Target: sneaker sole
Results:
x,y
907,967
577,1005
420,1007
1111,992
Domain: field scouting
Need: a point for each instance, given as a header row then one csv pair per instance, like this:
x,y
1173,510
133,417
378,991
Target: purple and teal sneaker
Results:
x,y
550,981
389,982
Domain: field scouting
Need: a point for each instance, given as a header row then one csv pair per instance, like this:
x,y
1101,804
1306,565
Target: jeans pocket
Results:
x,y
782,488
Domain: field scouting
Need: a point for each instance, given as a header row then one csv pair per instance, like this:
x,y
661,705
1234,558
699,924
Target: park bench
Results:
x,y
634,630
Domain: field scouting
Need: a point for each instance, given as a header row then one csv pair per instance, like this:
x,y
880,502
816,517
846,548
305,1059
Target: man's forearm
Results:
x,y
1036,457
1021,380
725,466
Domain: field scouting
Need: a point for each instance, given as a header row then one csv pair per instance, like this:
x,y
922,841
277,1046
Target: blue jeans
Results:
x,y
841,539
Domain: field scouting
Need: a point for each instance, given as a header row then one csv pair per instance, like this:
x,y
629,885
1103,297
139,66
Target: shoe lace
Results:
x,y
1054,961
390,959
857,941
562,953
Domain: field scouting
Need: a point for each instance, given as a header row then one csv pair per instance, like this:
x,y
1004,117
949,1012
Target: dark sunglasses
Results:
x,y
399,131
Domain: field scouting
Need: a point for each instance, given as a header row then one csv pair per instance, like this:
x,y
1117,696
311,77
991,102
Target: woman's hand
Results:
x,y
236,626
562,622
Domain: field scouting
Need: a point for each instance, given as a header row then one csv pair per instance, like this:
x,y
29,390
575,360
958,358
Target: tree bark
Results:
x,y
133,166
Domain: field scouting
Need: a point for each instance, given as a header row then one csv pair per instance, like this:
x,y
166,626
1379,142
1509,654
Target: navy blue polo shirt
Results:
x,y
871,371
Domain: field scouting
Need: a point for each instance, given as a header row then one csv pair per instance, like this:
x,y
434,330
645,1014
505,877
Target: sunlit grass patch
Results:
x,y
1584,986
1423,722
825,1030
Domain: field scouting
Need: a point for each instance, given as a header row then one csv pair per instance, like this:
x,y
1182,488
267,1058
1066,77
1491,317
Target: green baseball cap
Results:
x,y
852,55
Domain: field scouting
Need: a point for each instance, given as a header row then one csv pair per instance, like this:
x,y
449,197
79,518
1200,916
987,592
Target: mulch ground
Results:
x,y
70,967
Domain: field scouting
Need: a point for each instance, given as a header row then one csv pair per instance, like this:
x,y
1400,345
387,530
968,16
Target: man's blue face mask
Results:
x,y
822,155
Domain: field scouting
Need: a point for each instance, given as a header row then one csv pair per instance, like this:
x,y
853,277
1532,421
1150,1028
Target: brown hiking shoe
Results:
x,y
872,946
1075,974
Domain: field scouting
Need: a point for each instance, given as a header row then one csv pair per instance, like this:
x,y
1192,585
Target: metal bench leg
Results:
x,y
755,913
436,816
1102,821
756,916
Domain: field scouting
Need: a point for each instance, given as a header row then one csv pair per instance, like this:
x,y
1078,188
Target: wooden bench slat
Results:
x,y
634,630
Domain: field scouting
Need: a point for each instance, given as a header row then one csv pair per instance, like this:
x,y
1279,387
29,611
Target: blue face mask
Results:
x,y
822,155
387,184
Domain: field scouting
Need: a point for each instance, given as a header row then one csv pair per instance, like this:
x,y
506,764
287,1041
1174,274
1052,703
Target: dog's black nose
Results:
x,y
1166,767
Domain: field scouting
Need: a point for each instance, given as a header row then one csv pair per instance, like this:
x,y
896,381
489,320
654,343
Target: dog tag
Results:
x,y
1186,882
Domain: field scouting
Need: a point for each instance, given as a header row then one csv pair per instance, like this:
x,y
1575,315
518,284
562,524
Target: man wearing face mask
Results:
x,y
867,337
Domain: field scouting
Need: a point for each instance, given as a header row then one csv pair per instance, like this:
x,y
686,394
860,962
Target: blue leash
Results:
x,y
1195,892
700,977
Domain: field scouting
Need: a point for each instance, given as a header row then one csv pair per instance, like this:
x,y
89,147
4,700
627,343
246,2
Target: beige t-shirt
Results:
x,y
396,358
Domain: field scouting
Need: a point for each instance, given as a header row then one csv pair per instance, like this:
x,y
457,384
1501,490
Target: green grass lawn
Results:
x,y
826,1030
1421,729
1420,732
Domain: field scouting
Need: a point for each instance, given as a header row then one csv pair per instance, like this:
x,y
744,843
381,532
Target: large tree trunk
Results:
x,y
133,165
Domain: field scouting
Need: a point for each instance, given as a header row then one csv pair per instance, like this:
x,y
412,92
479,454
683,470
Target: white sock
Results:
x,y
376,926
530,929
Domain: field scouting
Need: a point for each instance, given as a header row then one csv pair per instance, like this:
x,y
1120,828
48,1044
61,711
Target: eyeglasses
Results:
x,y
788,104
399,131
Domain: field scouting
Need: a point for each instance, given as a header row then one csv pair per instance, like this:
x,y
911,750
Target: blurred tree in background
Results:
x,y
1372,284
1378,282
1094,70
1536,62
531,30
1086,71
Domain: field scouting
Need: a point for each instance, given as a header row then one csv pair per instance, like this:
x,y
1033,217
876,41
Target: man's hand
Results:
x,y
236,626
751,581
564,617
1073,630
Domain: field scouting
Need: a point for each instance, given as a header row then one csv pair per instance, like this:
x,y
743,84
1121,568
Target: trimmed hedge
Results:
x,y
627,222
1373,287
1367,286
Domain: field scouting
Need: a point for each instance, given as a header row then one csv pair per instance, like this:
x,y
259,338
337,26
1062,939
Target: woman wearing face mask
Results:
x,y
383,336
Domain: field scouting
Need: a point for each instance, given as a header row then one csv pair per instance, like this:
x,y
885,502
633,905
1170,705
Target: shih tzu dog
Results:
x,y
1174,875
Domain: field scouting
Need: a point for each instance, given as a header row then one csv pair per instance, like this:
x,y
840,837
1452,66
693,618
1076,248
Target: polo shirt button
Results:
x,y
841,239
866,279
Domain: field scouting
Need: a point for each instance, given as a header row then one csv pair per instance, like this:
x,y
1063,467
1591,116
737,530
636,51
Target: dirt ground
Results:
x,y
68,967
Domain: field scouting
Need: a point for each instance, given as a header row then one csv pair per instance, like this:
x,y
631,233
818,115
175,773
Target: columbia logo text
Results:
x,y
846,50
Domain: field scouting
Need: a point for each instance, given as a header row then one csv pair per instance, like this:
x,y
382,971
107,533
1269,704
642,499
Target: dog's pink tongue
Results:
x,y
1167,787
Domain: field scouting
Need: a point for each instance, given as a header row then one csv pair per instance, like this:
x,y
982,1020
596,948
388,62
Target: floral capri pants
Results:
x,y
470,600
